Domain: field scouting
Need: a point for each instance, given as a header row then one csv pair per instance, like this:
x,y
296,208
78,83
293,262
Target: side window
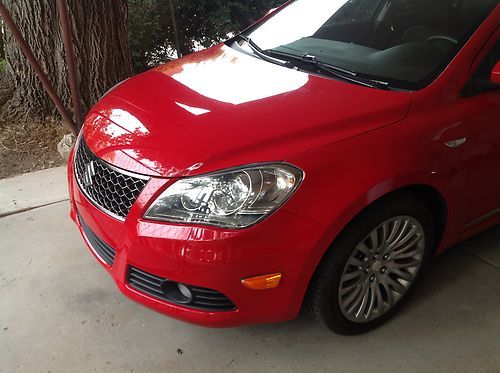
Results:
x,y
480,80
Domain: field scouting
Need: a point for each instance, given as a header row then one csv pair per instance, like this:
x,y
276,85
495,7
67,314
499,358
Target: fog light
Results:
x,y
176,292
185,292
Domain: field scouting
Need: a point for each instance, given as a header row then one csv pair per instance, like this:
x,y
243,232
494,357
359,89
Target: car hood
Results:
x,y
221,108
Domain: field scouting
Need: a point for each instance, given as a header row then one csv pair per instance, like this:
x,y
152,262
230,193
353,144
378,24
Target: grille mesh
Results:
x,y
112,190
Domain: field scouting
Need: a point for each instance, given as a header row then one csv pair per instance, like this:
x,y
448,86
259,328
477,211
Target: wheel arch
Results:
x,y
428,194
434,200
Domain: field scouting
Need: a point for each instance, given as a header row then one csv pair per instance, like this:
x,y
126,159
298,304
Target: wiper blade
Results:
x,y
352,76
263,55
336,71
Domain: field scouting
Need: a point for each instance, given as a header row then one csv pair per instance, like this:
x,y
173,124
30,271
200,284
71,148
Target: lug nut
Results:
x,y
372,278
386,256
383,270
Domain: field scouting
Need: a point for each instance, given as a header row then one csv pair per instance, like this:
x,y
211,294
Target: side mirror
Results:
x,y
495,74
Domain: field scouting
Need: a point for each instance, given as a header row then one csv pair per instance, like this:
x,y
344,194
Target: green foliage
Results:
x,y
199,23
145,31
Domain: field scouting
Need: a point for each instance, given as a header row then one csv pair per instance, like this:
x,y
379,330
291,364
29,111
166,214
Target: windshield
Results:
x,y
405,43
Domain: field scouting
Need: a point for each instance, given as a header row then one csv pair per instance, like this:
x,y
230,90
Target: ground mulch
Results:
x,y
29,146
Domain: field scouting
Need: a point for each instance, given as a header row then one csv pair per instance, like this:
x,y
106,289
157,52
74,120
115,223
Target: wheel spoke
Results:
x,y
402,274
405,255
349,288
380,300
374,239
385,232
395,228
396,286
357,291
371,304
405,239
411,262
400,234
355,262
388,292
412,245
352,275
353,302
364,302
363,249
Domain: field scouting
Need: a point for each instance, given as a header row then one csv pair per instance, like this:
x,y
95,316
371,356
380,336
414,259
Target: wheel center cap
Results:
x,y
377,266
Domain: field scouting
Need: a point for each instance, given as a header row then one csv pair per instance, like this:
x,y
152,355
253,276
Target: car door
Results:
x,y
483,119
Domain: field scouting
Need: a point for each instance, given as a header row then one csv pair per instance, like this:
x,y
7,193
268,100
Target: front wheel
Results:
x,y
371,268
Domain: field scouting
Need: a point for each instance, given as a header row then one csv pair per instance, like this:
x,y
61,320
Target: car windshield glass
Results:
x,y
405,43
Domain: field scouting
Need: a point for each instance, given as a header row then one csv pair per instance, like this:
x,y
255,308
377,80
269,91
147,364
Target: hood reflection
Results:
x,y
193,110
127,121
246,78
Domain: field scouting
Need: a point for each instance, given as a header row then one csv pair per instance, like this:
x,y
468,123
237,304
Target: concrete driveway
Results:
x,y
60,312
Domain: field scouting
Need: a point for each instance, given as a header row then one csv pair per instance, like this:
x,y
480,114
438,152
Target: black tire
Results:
x,y
323,293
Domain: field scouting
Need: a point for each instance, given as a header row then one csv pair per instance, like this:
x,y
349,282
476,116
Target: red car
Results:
x,y
322,156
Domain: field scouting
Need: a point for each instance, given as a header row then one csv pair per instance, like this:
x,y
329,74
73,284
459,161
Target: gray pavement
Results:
x,y
60,312
34,189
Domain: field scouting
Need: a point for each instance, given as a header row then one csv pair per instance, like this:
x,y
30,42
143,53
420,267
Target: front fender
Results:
x,y
344,178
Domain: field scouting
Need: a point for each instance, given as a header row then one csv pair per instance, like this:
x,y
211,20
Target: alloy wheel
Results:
x,y
381,269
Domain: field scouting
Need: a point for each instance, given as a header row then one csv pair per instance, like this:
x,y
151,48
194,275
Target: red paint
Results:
x,y
495,74
219,109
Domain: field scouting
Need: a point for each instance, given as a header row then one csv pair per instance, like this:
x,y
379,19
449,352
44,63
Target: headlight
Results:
x,y
232,199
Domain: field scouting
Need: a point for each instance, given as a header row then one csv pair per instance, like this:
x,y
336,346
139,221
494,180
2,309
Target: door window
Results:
x,y
481,79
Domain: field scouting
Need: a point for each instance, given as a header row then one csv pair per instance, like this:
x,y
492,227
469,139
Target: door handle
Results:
x,y
456,143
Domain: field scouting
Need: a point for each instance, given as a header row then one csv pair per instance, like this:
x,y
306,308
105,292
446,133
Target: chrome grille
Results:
x,y
112,190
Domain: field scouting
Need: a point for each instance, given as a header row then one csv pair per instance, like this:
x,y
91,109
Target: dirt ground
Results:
x,y
29,146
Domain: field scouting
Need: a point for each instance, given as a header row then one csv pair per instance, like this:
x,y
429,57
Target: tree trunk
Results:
x,y
100,46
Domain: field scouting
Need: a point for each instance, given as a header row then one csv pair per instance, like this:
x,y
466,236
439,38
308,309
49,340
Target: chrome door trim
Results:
x,y
456,143
483,218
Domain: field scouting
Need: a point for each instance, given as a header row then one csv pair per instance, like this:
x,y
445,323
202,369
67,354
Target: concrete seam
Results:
x,y
10,213
482,259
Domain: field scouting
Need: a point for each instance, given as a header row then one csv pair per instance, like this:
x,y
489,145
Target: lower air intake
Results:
x,y
158,287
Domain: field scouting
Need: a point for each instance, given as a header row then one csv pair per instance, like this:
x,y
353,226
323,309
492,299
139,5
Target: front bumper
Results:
x,y
207,257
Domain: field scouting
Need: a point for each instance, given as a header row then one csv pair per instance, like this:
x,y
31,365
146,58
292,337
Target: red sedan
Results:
x,y
322,156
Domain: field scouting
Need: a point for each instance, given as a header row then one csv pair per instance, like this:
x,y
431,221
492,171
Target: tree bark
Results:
x,y
100,46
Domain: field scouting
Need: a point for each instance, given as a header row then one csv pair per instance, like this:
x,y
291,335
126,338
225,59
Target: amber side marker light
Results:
x,y
269,281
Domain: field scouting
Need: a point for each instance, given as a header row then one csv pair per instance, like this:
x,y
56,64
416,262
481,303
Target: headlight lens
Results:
x,y
232,199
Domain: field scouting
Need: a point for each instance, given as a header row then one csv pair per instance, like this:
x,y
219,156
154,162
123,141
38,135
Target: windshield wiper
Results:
x,y
263,55
333,70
